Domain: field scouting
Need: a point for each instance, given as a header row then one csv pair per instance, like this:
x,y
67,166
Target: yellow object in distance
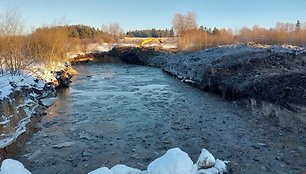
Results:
x,y
150,40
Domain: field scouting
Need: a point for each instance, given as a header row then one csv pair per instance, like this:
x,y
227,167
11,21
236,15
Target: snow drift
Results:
x,y
175,161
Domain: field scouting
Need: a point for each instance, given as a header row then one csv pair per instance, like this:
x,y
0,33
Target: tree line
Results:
x,y
47,45
151,33
193,37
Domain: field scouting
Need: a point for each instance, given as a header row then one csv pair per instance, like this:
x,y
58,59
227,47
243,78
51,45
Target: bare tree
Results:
x,y
182,23
190,21
114,29
49,44
11,41
11,23
178,23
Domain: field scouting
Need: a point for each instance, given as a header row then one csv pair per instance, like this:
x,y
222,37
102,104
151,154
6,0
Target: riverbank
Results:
x,y
271,79
24,97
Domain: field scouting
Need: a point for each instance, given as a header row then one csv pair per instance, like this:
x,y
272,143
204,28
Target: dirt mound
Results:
x,y
130,55
273,74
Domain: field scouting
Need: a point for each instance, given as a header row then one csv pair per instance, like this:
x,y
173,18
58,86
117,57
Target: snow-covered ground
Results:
x,y
13,121
46,72
100,47
175,161
8,84
10,166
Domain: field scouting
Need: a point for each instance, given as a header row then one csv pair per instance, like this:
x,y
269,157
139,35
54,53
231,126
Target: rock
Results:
x,y
302,171
123,169
86,154
71,71
63,78
234,168
65,144
206,160
48,101
35,155
10,166
175,161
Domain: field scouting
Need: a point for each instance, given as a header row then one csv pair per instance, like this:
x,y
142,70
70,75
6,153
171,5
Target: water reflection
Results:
x,y
62,105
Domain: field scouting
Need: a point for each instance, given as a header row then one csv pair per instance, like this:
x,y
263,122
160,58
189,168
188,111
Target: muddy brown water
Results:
x,y
118,113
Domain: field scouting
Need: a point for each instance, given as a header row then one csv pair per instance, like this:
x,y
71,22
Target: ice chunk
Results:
x,y
102,170
208,171
220,166
48,101
206,160
175,161
123,169
10,166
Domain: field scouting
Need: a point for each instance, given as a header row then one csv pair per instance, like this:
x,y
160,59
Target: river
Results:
x,y
118,113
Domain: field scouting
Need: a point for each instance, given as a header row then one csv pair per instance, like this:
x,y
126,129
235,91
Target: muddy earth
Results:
x,y
119,113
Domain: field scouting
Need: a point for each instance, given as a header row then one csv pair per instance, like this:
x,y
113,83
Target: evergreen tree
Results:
x,y
172,32
298,26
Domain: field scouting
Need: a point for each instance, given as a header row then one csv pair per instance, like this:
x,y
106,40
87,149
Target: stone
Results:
x,y
220,166
208,171
35,155
62,145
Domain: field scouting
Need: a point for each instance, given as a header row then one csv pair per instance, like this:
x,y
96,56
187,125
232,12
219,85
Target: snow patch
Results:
x,y
123,169
206,160
6,138
10,166
9,82
175,161
220,166
48,101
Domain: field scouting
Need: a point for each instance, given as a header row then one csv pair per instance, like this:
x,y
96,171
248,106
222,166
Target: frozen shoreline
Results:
x,y
20,95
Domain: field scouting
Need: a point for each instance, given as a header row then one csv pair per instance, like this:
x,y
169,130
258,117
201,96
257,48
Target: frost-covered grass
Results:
x,y
10,166
13,122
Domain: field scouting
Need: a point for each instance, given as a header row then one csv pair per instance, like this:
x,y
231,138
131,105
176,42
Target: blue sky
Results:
x,y
142,14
